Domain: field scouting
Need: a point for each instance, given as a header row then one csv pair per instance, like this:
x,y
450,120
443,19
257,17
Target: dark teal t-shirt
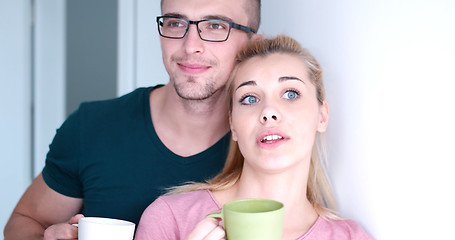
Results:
x,y
108,153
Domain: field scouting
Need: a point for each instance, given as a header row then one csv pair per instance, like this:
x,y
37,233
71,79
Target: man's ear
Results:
x,y
323,117
256,36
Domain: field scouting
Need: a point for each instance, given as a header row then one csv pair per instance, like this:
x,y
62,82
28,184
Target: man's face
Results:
x,y
198,69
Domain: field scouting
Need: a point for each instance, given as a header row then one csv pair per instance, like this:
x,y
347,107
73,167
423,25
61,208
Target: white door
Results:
x,y
31,91
140,62
15,103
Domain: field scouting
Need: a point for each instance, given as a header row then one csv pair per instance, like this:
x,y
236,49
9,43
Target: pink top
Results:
x,y
174,217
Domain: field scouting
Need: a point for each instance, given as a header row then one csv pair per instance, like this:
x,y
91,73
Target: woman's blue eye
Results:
x,y
249,100
290,94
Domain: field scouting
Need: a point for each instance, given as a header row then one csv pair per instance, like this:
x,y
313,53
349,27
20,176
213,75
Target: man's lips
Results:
x,y
192,68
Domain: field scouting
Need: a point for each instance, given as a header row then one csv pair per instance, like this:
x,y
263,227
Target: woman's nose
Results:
x,y
269,116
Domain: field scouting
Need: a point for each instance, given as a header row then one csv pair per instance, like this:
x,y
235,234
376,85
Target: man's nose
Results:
x,y
193,42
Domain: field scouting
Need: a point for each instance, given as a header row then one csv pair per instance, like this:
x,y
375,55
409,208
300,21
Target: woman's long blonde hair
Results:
x,y
319,189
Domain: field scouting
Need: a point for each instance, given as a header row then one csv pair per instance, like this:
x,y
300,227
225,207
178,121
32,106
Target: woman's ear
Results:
x,y
233,132
323,117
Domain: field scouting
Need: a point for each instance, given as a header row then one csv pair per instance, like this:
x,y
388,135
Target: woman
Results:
x,y
278,115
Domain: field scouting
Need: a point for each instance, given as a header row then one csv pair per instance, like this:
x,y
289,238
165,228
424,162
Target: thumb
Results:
x,y
75,219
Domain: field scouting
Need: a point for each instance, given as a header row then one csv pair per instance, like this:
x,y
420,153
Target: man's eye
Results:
x,y
175,24
291,94
217,26
249,100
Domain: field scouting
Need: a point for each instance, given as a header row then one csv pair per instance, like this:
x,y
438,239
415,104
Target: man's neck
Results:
x,y
187,127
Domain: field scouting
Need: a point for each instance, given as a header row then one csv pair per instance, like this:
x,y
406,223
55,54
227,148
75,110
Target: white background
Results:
x,y
389,79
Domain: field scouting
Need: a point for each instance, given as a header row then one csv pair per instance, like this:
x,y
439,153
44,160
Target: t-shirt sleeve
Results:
x,y
356,232
157,222
61,171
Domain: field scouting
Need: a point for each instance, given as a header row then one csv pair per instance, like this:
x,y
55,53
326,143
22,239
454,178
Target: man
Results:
x,y
112,158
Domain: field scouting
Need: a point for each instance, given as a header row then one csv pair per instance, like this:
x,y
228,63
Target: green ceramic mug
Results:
x,y
250,219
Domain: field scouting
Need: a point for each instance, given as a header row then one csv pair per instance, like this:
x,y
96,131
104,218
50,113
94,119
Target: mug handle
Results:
x,y
215,215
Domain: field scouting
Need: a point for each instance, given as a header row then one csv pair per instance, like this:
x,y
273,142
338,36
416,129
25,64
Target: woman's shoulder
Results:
x,y
174,216
195,201
188,198
325,228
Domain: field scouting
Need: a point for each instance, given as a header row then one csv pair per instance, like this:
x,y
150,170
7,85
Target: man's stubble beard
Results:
x,y
191,90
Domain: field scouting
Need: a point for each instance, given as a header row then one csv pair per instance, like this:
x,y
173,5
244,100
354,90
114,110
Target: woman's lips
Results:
x,y
271,140
193,68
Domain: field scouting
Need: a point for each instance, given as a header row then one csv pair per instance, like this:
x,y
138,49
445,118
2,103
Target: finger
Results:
x,y
203,229
60,231
75,218
216,234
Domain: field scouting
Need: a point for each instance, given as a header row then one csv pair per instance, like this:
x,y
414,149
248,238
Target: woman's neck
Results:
x,y
290,189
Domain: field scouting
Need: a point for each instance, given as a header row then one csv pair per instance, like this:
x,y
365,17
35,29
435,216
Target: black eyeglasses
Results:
x,y
211,30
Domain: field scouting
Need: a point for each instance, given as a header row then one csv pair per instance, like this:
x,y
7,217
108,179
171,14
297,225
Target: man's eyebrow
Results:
x,y
287,78
174,15
216,17
247,83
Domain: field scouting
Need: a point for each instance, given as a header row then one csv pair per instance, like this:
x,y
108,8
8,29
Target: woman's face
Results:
x,y
275,112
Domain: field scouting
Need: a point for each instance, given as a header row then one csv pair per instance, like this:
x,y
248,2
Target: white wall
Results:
x,y
389,77
15,104
149,69
126,60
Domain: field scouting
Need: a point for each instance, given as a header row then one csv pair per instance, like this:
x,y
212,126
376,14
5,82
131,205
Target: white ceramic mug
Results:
x,y
96,228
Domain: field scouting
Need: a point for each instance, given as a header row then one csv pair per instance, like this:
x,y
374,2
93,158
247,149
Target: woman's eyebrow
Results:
x,y
281,79
247,83
287,78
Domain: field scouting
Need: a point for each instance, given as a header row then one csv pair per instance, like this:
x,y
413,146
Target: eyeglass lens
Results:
x,y
211,30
